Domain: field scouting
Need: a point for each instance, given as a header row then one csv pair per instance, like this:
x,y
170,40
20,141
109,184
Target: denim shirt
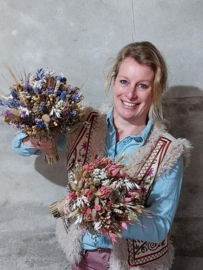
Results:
x,y
163,200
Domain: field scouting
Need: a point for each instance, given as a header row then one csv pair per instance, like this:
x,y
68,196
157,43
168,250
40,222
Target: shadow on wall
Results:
x,y
185,115
55,173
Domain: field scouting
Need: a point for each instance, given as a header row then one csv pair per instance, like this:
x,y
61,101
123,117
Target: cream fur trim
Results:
x,y
119,255
178,148
71,242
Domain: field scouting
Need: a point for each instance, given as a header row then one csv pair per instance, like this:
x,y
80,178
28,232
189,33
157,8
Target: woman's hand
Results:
x,y
42,144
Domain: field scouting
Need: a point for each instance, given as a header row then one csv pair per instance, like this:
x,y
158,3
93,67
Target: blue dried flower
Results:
x,y
58,92
13,93
63,95
73,113
1,102
75,97
40,74
41,107
58,78
41,125
13,104
28,86
51,90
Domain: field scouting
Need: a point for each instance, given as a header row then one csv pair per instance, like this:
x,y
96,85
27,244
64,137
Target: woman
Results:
x,y
134,126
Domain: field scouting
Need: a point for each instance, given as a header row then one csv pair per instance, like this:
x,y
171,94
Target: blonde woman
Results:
x,y
134,126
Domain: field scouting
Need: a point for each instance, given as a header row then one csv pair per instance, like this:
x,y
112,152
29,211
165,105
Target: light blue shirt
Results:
x,y
163,200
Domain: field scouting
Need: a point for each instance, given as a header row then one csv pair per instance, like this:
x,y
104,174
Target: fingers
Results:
x,y
42,144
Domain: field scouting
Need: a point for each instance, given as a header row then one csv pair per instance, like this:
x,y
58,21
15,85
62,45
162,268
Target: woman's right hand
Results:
x,y
42,144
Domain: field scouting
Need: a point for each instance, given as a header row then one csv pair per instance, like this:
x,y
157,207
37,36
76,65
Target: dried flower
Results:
x,y
42,105
102,198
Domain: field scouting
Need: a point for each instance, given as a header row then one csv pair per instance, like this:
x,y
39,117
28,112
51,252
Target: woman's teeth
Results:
x,y
129,104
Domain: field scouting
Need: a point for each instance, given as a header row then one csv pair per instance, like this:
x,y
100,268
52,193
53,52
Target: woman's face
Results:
x,y
132,92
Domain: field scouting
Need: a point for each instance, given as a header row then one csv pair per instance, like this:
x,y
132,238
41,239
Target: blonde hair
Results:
x,y
144,53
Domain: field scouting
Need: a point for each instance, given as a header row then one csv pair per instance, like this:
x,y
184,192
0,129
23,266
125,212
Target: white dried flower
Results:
x,y
79,219
130,185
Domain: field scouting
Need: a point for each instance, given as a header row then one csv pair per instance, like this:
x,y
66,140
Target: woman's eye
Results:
x,y
124,82
143,86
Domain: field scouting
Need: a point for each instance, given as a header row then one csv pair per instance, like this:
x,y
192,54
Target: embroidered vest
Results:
x,y
139,252
143,252
80,150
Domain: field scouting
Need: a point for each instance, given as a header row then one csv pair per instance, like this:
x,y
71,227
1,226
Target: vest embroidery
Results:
x,y
80,151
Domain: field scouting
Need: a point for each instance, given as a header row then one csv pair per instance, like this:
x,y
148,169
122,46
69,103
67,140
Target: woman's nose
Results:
x,y
131,92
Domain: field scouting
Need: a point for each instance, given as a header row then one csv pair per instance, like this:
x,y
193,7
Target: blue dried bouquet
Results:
x,y
42,105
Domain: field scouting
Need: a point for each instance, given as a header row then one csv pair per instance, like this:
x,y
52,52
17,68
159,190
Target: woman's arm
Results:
x,y
162,202
26,146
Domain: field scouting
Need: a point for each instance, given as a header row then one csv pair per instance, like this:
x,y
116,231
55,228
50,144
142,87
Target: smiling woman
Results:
x,y
132,130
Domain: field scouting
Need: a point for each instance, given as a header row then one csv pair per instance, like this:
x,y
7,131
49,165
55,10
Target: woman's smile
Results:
x,y
129,104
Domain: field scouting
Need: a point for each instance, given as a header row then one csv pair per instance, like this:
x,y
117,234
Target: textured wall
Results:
x,y
77,37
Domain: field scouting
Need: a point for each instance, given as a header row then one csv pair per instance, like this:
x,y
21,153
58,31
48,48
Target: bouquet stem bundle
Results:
x,y
51,155
56,209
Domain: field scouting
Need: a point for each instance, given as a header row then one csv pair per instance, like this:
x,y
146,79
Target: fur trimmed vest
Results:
x,y
70,240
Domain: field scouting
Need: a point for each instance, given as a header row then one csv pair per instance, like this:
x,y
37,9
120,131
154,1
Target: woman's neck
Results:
x,y
125,128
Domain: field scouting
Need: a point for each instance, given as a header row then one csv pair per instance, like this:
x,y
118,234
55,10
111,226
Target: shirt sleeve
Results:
x,y
162,202
20,148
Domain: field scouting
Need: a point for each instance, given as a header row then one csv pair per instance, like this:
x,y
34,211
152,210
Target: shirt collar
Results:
x,y
143,135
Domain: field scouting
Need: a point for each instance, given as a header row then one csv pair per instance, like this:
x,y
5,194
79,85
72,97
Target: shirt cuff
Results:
x,y
20,148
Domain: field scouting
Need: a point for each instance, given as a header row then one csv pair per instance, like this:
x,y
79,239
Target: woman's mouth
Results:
x,y
129,104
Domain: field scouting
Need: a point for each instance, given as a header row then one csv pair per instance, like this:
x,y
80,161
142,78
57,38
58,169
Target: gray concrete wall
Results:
x,y
77,37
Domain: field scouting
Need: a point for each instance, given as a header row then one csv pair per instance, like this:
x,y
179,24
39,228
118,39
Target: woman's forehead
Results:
x,y
130,67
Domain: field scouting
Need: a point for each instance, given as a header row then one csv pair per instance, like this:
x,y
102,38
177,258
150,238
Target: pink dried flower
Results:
x,y
88,212
108,221
104,191
128,199
124,225
88,167
97,207
109,203
135,194
112,236
72,195
87,192
85,167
